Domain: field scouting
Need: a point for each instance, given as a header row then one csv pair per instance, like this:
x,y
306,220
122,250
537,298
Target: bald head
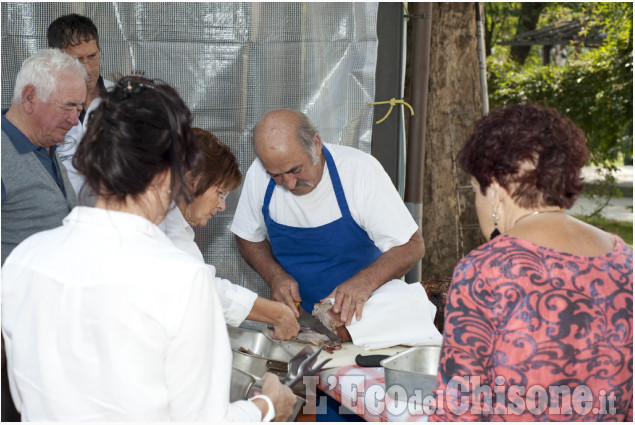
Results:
x,y
279,130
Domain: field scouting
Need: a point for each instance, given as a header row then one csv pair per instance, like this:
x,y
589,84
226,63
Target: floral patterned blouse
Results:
x,y
533,334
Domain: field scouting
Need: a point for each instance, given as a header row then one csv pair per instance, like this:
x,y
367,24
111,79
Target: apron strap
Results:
x,y
268,194
337,184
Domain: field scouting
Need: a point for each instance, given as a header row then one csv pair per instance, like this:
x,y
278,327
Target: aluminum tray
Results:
x,y
269,356
248,370
241,385
258,366
257,343
412,372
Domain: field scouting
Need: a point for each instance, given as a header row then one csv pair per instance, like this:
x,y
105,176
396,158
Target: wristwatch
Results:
x,y
271,412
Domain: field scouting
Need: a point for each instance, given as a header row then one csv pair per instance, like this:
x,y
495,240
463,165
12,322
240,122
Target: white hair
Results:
x,y
42,71
306,136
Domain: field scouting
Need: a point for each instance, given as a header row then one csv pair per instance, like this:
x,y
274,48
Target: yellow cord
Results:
x,y
392,103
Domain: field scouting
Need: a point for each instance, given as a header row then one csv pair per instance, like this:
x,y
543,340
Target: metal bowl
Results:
x,y
265,355
257,366
412,372
241,384
257,343
243,387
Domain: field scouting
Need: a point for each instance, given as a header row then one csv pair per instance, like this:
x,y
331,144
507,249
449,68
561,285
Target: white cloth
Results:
x,y
104,319
372,199
68,147
236,300
397,313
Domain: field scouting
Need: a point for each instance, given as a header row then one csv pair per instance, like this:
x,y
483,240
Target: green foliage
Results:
x,y
603,190
501,19
595,87
561,12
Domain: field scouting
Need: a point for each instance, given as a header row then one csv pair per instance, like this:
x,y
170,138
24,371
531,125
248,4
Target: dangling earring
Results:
x,y
495,233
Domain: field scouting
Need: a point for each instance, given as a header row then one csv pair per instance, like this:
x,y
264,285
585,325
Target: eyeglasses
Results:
x,y
222,194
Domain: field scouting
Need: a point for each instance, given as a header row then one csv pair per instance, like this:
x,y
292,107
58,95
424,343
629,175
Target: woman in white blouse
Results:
x,y
103,318
215,172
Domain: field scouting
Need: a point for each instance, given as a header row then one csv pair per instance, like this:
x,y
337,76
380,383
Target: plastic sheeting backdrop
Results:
x,y
231,63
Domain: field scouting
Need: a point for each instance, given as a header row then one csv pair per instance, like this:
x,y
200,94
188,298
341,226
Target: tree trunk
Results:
x,y
527,21
450,225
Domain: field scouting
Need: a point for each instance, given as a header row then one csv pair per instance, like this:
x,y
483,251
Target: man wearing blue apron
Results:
x,y
321,221
318,221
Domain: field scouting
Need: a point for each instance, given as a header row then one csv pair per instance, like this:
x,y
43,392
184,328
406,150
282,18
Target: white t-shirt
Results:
x,y
66,150
372,199
236,300
130,329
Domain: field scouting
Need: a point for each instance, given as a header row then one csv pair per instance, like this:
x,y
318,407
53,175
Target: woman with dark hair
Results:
x,y
539,320
215,172
104,319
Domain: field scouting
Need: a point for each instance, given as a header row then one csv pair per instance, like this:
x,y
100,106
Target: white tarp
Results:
x,y
231,62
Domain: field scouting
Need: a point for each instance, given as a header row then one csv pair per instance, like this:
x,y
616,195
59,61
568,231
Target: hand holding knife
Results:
x,y
308,320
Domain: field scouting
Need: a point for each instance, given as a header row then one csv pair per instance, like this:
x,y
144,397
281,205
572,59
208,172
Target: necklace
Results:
x,y
535,213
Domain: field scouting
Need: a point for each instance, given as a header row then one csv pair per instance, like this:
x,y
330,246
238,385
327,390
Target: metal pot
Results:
x,y
256,354
241,384
257,343
412,372
257,366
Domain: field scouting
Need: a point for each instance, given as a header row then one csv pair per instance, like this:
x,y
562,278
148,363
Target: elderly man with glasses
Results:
x,y
49,95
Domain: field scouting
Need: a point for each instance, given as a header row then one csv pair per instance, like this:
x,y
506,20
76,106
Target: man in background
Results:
x,y
77,36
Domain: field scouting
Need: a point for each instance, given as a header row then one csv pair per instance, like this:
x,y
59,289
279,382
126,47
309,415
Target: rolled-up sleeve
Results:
x,y
236,301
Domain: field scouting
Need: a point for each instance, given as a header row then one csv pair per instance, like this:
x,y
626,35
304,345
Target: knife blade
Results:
x,y
311,322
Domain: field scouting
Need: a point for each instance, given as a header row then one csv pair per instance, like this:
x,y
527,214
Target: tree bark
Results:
x,y
450,225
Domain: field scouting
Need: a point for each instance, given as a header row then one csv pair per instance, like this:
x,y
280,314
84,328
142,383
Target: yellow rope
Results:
x,y
392,103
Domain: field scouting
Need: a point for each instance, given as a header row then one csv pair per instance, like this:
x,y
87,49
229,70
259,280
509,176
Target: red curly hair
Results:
x,y
533,152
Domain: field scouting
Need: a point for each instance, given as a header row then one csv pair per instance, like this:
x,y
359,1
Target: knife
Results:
x,y
311,322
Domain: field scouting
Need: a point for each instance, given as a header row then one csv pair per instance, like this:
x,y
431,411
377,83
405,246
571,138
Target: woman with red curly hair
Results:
x,y
539,320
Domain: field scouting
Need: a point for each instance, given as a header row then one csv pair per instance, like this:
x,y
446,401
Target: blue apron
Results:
x,y
320,258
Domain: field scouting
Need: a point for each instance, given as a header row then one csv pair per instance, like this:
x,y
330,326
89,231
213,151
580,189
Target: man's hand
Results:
x,y
281,396
286,291
350,297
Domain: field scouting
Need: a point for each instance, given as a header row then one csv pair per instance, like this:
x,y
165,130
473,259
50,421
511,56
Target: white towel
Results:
x,y
397,313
